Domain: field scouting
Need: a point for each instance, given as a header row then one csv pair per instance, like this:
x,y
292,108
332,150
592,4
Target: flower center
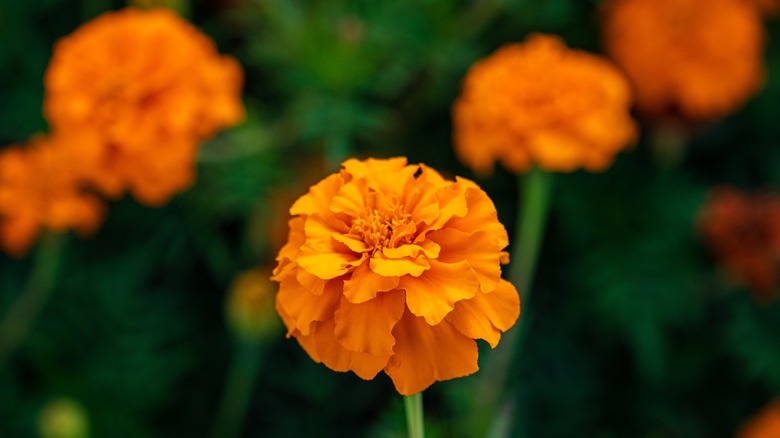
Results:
x,y
384,227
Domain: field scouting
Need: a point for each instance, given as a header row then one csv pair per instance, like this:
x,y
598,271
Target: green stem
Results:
x,y
414,415
534,193
534,190
24,311
238,389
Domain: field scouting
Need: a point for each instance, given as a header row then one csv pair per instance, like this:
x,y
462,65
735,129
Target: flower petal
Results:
x,y
398,267
480,249
367,327
433,295
351,198
319,196
338,358
452,204
325,263
425,354
487,314
481,214
304,307
365,284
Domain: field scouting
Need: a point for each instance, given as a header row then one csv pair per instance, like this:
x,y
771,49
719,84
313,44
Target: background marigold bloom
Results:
x,y
766,424
541,103
250,304
40,188
391,267
743,230
701,58
152,86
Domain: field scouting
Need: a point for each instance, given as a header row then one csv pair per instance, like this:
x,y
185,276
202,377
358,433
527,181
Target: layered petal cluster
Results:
x,y
390,267
152,86
40,189
743,231
765,424
541,103
701,59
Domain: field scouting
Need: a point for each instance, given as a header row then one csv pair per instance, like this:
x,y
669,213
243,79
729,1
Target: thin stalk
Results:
x,y
24,311
415,422
238,388
535,190
534,193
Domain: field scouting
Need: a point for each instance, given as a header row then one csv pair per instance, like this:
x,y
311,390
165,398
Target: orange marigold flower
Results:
x,y
699,58
542,103
391,267
766,424
40,188
152,86
743,230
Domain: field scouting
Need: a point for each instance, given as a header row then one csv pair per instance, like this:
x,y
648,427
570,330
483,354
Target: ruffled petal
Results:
x,y
480,249
319,196
304,307
413,266
481,214
365,284
328,259
425,354
433,295
487,314
367,327
311,283
338,358
351,198
452,204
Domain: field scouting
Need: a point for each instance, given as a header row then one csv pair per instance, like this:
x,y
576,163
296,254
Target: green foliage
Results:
x,y
632,330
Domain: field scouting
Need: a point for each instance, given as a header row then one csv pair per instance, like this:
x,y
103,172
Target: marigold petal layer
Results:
x,y
338,358
383,242
487,314
434,295
424,354
367,327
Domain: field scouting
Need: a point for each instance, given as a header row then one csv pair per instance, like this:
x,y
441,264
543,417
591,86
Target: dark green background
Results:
x,y
635,331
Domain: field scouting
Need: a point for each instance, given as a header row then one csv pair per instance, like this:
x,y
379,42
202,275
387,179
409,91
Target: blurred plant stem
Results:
x,y
534,191
415,422
668,141
24,311
240,380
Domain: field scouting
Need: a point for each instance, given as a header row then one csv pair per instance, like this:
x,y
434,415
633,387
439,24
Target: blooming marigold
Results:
x,y
701,58
152,86
743,230
541,103
391,267
766,424
40,188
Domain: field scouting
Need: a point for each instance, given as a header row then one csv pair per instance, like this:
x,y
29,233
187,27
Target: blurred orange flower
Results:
x,y
542,103
766,424
250,305
699,58
40,189
391,267
152,86
743,230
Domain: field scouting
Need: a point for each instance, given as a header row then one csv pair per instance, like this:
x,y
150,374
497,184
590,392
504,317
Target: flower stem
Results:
x,y
238,388
24,311
534,190
414,415
491,413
